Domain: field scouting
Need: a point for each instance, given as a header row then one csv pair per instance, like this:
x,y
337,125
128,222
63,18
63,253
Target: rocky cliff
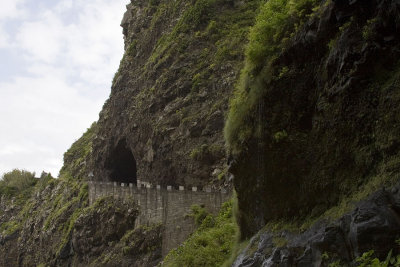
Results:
x,y
162,124
163,121
299,97
50,223
317,111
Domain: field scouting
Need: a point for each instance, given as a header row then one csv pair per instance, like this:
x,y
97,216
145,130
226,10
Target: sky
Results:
x,y
57,61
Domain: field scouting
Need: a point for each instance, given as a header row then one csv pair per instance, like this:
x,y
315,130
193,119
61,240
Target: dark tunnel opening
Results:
x,y
122,164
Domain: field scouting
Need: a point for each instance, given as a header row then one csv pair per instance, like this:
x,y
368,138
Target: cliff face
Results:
x,y
163,121
315,120
52,224
312,127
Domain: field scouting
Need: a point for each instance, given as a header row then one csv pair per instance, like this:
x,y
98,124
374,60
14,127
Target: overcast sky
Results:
x,y
58,58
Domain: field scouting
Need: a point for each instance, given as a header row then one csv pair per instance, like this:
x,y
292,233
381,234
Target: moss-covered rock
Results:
x,y
171,91
313,120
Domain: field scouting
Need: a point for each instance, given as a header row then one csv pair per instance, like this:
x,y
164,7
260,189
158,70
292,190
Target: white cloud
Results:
x,y
41,40
4,37
11,9
71,51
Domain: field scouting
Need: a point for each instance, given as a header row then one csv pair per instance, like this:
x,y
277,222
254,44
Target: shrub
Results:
x,y
16,181
210,245
198,213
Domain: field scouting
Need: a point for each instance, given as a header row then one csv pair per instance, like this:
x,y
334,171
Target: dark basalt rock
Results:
x,y
373,225
338,104
155,105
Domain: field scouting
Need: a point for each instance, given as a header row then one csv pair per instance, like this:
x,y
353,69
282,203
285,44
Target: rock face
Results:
x,y
114,240
163,121
327,120
55,227
373,225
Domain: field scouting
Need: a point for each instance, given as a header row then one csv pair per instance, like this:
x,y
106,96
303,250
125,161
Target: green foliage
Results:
x,y
368,30
279,136
207,152
199,214
76,156
276,23
9,227
19,179
17,182
210,245
368,260
196,14
131,51
279,241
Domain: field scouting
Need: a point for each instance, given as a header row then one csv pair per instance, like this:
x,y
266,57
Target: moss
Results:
x,y
131,51
279,241
207,152
76,156
275,24
10,227
369,30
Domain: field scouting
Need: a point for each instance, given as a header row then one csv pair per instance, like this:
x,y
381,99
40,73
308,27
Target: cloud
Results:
x,y
70,51
4,38
11,9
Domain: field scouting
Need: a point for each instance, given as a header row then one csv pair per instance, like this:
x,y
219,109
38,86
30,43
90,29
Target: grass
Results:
x,y
76,155
210,245
207,152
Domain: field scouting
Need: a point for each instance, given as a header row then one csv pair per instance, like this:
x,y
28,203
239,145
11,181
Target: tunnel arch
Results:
x,y
121,164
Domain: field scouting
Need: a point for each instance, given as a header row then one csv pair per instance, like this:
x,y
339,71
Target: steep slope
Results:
x,y
162,123
165,114
313,127
52,224
315,119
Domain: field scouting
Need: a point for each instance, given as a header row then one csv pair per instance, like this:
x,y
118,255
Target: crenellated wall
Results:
x,y
169,206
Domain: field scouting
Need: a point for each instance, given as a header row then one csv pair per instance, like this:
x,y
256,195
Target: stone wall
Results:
x,y
169,206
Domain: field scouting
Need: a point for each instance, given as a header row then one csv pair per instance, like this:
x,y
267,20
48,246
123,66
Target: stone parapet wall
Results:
x,y
169,206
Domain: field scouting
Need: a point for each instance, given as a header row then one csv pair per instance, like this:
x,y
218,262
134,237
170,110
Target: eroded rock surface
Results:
x,y
171,92
373,225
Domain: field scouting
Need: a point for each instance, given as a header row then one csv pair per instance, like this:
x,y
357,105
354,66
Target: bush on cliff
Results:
x,y
210,245
16,182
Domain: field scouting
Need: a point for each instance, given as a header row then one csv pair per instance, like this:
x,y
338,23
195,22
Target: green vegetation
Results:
x,y
368,30
211,244
75,159
9,227
207,152
367,260
276,23
199,214
17,182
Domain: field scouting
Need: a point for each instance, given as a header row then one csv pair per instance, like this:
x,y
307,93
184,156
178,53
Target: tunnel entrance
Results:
x,y
122,164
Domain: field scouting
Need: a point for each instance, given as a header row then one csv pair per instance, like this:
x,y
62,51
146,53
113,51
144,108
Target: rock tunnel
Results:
x,y
121,164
